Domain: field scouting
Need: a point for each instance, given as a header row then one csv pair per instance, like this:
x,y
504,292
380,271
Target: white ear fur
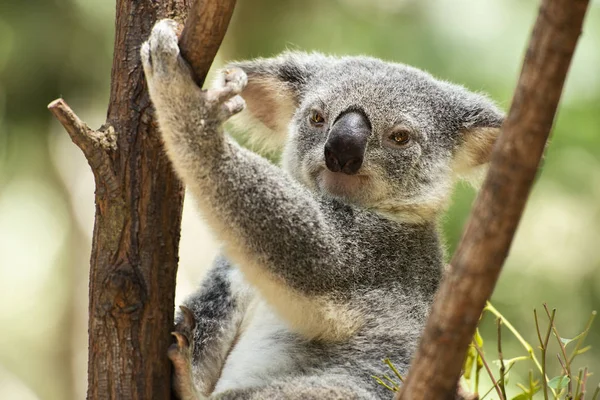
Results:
x,y
473,155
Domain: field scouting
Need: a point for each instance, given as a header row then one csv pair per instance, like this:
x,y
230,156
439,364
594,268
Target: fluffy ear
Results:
x,y
479,125
274,91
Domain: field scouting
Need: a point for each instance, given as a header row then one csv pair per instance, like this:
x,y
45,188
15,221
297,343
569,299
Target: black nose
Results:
x,y
347,142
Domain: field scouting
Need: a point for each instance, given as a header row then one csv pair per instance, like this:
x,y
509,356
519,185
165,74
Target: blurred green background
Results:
x,y
52,48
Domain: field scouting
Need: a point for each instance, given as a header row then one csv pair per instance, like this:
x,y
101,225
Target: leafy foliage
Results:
x,y
564,386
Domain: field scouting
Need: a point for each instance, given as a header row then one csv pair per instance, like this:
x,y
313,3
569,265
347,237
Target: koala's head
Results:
x,y
380,135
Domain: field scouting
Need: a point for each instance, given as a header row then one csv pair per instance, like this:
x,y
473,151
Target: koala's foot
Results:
x,y
171,84
180,353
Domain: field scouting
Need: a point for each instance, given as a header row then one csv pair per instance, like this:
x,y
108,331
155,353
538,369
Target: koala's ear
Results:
x,y
274,90
479,126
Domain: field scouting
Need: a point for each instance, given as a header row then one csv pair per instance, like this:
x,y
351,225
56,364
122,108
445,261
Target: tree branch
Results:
x,y
203,33
138,207
93,144
497,211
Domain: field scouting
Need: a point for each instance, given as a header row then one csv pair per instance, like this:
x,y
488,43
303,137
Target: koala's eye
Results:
x,y
316,118
400,137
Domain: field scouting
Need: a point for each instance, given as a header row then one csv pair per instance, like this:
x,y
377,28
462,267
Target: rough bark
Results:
x,y
138,209
208,20
486,241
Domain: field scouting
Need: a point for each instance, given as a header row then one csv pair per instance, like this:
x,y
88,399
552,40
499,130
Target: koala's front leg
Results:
x,y
190,118
272,227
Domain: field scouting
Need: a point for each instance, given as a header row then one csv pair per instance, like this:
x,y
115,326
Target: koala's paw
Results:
x,y
161,60
169,77
181,354
227,95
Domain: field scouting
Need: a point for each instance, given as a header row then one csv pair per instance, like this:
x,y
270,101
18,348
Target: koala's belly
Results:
x,y
265,350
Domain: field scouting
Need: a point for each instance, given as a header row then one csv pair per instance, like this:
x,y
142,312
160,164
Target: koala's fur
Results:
x,y
323,274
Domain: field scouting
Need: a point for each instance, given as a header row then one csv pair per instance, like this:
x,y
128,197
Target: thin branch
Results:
x,y
596,392
489,371
583,383
203,33
501,380
501,358
582,336
544,347
94,144
489,307
567,364
578,387
485,243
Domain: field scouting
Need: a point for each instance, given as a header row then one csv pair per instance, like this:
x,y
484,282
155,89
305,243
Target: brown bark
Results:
x,y
485,243
208,20
138,210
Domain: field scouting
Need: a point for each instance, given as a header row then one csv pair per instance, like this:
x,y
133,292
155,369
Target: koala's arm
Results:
x,y
271,226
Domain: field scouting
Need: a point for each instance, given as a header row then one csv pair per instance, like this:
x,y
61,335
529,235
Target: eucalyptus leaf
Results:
x,y
478,338
566,341
559,382
581,351
469,361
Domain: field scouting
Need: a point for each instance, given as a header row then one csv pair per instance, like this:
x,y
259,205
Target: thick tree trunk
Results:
x,y
485,243
138,209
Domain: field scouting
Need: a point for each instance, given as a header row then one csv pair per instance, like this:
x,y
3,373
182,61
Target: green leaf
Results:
x,y
559,382
522,396
478,339
566,341
509,362
581,351
469,361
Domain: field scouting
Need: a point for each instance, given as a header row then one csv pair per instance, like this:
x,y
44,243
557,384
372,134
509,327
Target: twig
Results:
x,y
489,307
499,380
489,371
582,337
583,383
567,364
501,357
391,365
544,348
385,385
596,392
579,376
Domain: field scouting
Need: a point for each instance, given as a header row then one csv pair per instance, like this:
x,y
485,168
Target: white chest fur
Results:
x,y
263,351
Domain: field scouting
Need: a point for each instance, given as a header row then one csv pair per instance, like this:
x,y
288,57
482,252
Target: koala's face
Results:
x,y
380,135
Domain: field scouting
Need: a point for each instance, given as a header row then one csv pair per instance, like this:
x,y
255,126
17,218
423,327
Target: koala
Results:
x,y
330,260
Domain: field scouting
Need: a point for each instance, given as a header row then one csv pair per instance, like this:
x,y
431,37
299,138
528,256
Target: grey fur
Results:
x,y
325,278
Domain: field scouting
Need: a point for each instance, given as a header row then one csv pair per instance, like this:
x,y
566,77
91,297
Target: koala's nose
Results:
x,y
347,142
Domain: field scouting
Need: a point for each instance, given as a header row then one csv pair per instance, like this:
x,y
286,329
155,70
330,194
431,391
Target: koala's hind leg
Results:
x,y
181,355
207,328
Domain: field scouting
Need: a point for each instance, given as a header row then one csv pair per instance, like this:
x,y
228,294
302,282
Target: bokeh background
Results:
x,y
52,48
